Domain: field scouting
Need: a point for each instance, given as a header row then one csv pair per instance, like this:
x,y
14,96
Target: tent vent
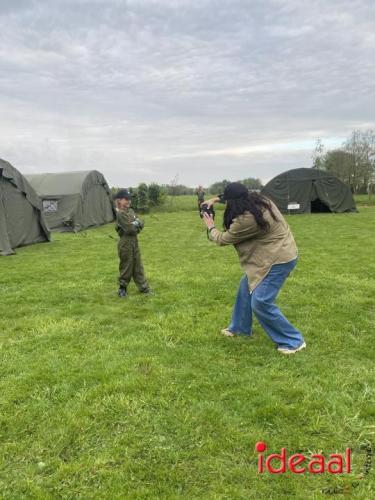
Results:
x,y
49,206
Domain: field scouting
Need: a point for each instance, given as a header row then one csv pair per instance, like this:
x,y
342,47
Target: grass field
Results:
x,y
143,398
184,203
363,200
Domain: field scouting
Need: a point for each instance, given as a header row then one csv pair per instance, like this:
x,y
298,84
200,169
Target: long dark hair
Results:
x,y
254,203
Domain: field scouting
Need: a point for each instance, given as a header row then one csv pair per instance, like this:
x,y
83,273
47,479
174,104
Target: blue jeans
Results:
x,y
262,302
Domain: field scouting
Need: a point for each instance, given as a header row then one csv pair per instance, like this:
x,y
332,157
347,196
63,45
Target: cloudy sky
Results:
x,y
147,90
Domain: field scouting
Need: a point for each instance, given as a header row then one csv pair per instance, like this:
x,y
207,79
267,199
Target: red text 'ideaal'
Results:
x,y
279,463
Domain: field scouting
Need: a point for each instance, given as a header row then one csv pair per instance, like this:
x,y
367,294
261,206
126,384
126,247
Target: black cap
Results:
x,y
235,191
123,193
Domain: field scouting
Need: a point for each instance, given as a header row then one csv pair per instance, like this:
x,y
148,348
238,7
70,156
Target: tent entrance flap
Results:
x,y
318,206
319,199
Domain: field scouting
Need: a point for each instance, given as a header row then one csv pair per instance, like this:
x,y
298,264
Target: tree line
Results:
x,y
251,183
146,196
353,163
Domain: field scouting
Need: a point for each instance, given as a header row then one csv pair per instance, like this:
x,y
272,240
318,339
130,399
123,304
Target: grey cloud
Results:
x,y
118,85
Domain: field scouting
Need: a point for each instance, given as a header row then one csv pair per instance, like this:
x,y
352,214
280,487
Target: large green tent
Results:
x,y
21,218
306,190
73,201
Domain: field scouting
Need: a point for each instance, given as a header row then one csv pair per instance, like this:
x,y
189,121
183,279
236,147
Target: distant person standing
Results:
x,y
128,226
200,196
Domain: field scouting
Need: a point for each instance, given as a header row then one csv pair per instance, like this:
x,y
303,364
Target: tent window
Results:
x,y
50,206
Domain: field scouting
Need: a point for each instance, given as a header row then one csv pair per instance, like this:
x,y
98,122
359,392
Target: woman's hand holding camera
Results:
x,y
208,220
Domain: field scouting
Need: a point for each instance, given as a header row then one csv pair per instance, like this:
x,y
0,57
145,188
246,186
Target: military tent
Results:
x,y
307,190
73,201
21,218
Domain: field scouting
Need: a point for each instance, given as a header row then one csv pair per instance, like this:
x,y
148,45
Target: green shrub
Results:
x,y
143,200
156,194
134,194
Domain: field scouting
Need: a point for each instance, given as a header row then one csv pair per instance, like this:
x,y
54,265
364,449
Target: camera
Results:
x,y
205,209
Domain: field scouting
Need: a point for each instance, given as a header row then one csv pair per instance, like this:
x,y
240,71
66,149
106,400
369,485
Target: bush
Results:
x,y
155,194
134,194
143,200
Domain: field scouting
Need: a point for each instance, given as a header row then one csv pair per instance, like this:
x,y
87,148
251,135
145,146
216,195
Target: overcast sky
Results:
x,y
147,90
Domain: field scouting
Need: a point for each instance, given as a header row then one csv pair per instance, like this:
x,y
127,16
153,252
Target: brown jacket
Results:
x,y
258,250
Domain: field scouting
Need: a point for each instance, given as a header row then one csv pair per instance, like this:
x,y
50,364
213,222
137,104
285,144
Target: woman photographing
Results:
x,y
267,253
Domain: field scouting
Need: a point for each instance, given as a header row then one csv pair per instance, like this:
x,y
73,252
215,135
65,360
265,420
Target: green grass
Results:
x,y
364,200
182,204
178,204
143,398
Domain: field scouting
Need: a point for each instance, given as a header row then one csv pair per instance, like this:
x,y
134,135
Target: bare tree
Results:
x,y
361,147
353,163
173,189
338,162
318,154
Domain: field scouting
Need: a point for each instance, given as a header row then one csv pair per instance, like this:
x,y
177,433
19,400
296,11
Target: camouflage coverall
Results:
x,y
128,250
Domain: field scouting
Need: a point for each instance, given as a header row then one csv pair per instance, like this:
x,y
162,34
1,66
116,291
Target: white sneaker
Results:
x,y
228,333
284,350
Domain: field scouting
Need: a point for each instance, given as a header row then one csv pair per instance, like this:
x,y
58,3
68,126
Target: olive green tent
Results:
x,y
73,201
21,218
306,190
